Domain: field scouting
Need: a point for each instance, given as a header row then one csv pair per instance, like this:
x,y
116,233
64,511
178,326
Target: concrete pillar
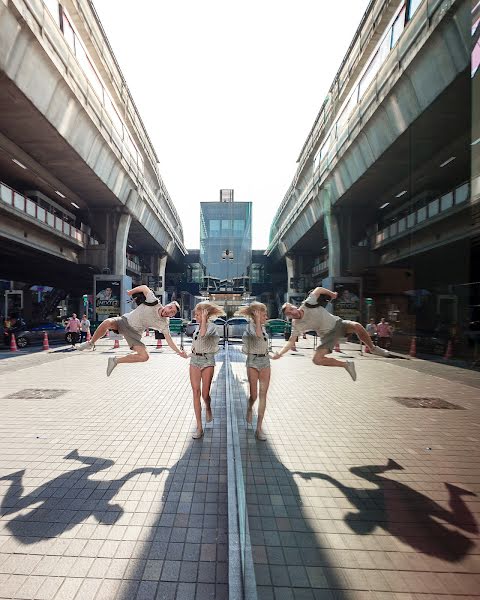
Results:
x,y
333,236
159,268
291,274
121,238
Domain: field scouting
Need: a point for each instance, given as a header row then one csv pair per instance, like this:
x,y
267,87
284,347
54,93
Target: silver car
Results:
x,y
192,326
236,327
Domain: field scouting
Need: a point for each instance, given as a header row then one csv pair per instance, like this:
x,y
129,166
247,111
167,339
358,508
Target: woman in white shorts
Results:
x,y
202,361
255,346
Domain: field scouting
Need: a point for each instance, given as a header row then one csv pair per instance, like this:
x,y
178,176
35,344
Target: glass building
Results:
x,y
226,244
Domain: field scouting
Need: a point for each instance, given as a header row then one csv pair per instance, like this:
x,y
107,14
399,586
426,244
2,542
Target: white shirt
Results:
x,y
147,316
314,319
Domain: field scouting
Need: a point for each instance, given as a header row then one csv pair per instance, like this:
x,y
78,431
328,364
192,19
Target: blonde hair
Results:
x,y
248,311
213,310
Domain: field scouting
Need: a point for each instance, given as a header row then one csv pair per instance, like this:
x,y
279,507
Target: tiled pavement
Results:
x,y
355,496
104,494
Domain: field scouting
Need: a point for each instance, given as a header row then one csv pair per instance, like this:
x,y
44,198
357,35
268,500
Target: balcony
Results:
x,y
19,205
435,210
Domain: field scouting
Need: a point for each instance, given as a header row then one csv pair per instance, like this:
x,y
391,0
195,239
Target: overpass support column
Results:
x,y
291,270
159,268
121,238
334,244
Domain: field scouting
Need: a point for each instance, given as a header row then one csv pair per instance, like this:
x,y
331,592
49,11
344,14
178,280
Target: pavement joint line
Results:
x,y
241,573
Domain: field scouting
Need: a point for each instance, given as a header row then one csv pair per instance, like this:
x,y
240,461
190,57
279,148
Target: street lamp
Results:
x,y
227,255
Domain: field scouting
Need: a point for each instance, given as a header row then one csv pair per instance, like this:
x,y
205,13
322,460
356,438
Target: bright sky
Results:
x,y
228,91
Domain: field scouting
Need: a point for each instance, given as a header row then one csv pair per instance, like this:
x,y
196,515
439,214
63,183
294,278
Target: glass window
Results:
x,y
88,69
52,6
446,201
412,7
239,225
226,224
461,193
215,227
398,27
68,32
112,113
433,208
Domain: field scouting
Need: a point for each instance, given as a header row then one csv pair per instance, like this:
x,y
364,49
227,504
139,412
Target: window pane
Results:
x,y
68,32
414,4
398,27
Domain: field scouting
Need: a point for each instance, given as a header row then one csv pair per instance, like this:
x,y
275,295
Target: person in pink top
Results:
x,y
73,328
384,332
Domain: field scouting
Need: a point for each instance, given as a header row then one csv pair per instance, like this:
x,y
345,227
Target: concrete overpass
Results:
x,y
398,109
70,134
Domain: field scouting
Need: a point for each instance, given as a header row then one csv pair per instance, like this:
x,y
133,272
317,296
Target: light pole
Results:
x,y
228,256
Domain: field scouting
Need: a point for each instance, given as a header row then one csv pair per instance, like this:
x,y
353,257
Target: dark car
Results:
x,y
236,327
34,334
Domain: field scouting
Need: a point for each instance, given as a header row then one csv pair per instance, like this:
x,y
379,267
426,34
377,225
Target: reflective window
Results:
x,y
68,32
398,27
412,7
52,6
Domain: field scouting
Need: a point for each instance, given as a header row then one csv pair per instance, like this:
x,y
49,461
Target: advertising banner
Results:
x,y
347,305
107,298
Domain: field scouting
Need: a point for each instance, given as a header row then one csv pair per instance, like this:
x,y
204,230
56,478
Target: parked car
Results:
x,y
35,333
220,325
190,328
236,327
276,327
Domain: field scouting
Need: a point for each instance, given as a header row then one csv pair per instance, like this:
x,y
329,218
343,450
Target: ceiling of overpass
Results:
x,y
412,163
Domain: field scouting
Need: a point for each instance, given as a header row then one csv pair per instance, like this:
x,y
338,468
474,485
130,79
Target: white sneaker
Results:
x,y
86,346
350,367
112,363
380,352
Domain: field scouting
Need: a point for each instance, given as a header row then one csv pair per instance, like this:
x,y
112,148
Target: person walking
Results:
x,y
148,314
255,346
384,331
84,328
313,316
202,362
371,329
73,328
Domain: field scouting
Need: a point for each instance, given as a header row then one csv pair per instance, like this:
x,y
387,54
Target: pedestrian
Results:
x,y
84,328
202,362
371,329
148,314
384,332
73,329
313,316
255,346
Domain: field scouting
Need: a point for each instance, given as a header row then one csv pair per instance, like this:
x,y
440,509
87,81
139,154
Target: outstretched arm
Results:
x,y
288,346
321,291
173,346
140,288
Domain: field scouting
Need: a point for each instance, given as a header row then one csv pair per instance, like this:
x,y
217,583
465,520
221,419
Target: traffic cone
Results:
x,y
116,344
337,347
45,341
159,344
413,346
147,332
13,343
367,350
448,351
108,333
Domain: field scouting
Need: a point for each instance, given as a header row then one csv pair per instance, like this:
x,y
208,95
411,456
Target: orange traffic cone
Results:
x,y
13,343
45,341
448,351
337,347
159,344
116,344
413,346
147,332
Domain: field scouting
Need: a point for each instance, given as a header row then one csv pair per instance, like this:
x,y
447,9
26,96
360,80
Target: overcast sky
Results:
x,y
228,91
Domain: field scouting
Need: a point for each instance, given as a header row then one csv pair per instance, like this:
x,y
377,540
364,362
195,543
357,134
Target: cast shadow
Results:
x,y
48,503
409,515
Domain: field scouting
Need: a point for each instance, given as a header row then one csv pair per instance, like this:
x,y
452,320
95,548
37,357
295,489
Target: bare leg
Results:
x,y
320,359
102,329
253,383
195,379
362,334
139,354
264,382
207,376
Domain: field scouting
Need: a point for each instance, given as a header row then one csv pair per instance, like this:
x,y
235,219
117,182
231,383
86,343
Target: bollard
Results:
x,y
159,344
45,341
413,346
13,343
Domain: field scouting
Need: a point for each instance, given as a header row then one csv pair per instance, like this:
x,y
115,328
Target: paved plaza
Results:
x,y
357,494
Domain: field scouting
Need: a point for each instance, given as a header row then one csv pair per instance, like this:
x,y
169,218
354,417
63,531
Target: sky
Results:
x,y
228,91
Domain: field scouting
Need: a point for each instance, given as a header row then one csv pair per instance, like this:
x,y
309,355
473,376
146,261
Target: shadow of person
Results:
x,y
47,501
410,516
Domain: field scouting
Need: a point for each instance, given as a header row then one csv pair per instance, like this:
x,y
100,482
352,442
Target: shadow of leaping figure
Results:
x,y
42,522
408,515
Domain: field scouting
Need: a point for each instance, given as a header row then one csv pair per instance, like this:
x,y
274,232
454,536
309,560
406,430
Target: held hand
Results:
x,y
183,354
276,356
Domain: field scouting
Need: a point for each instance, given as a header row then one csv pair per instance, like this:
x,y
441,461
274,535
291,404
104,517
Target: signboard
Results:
x,y
349,290
110,296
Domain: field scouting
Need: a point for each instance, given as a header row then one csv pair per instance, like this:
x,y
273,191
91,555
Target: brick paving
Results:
x,y
103,492
355,496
